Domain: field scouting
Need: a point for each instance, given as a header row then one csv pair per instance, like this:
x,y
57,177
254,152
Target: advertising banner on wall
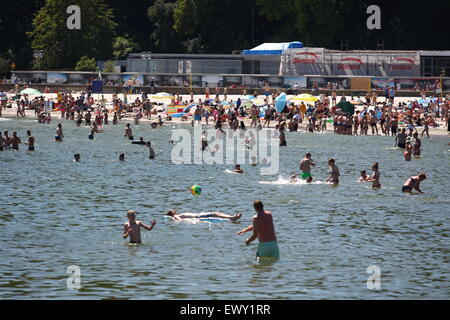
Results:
x,y
59,78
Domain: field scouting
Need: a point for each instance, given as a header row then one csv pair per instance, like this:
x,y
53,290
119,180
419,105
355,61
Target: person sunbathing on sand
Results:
x,y
180,216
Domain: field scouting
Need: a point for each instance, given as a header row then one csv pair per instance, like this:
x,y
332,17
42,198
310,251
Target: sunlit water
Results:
x,y
57,213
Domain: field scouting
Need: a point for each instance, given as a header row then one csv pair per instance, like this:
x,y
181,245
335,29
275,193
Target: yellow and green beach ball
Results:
x,y
196,190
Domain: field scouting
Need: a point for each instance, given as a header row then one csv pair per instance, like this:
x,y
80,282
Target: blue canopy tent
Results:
x,y
266,49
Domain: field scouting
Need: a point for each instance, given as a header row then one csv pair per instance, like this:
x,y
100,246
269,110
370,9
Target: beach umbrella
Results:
x,y
247,98
305,97
280,102
30,91
179,114
247,105
346,107
163,95
262,111
189,107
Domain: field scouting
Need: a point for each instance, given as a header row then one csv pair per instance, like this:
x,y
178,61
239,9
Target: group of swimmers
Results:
x,y
8,142
262,228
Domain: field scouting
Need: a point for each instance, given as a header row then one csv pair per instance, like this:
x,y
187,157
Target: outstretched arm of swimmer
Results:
x,y
147,227
249,228
254,235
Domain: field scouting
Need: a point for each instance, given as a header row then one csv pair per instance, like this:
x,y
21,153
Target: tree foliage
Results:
x,y
86,64
112,29
63,47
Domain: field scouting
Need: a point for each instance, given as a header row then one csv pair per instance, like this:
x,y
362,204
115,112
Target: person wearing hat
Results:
x,y
408,149
132,228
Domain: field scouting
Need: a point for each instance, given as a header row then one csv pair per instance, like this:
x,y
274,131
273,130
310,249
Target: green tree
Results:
x,y
164,38
86,64
5,65
122,47
109,66
62,47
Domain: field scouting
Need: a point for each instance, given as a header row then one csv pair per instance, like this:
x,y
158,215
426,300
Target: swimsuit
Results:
x,y
406,188
268,250
306,175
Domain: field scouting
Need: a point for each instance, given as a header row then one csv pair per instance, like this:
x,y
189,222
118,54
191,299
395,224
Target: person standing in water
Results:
x,y
408,149
2,141
30,142
400,139
334,172
305,167
15,141
59,135
282,135
375,177
94,130
417,147
151,151
263,229
128,132
132,228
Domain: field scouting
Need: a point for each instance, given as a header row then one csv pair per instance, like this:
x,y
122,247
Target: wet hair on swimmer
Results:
x,y
258,205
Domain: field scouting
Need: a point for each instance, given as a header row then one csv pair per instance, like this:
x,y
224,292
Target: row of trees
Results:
x,y
111,29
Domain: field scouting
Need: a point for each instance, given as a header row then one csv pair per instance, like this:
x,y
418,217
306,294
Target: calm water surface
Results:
x,y
57,213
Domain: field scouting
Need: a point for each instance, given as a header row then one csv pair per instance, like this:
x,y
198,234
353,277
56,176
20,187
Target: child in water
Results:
x,y
363,177
132,228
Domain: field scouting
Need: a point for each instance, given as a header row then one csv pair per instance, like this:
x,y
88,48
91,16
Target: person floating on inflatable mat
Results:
x,y
203,215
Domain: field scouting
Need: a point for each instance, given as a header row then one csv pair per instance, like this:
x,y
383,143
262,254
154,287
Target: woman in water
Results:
x,y
334,172
417,144
408,149
375,177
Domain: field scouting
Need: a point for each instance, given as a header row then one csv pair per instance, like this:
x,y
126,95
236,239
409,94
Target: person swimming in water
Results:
x,y
122,157
180,216
76,157
363,177
140,141
132,228
237,169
